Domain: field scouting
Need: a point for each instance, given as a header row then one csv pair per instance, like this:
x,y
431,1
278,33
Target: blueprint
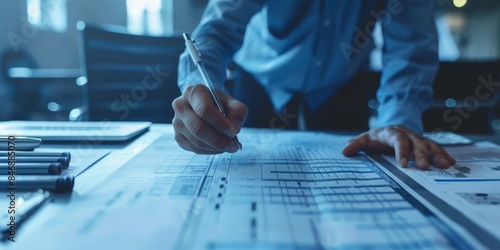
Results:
x,y
472,186
285,190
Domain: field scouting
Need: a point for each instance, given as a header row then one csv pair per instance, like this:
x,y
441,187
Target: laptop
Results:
x,y
75,131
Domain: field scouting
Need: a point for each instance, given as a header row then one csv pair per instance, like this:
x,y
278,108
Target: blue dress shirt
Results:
x,y
314,47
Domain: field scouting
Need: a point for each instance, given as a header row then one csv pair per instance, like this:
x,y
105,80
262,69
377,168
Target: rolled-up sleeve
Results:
x,y
218,36
410,61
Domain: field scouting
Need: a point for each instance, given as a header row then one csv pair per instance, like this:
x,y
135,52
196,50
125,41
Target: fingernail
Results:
x,y
231,148
229,133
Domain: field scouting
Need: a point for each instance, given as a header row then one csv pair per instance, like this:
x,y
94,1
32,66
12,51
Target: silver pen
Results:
x,y
16,143
25,206
196,56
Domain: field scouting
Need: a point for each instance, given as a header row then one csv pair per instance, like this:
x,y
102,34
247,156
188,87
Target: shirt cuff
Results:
x,y
397,113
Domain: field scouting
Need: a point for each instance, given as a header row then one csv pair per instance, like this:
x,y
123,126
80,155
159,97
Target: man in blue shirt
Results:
x,y
310,54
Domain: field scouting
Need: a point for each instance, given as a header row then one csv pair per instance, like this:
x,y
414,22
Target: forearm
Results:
x,y
410,63
218,36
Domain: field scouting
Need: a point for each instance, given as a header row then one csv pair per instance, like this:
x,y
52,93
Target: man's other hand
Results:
x,y
406,144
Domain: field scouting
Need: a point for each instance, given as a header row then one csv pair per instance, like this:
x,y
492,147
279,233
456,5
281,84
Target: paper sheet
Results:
x,y
472,186
283,191
81,158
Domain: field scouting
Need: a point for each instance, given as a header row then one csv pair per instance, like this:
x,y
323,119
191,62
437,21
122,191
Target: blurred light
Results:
x,y
153,6
58,15
53,106
450,103
75,114
82,80
459,3
34,12
145,16
136,6
154,23
20,72
168,16
80,25
48,14
135,14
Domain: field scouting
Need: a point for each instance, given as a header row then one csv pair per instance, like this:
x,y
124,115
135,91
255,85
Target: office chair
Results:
x,y
128,77
465,97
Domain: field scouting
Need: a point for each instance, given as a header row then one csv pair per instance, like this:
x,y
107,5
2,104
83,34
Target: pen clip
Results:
x,y
196,46
192,49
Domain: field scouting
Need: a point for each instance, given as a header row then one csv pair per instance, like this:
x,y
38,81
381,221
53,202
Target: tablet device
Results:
x,y
74,131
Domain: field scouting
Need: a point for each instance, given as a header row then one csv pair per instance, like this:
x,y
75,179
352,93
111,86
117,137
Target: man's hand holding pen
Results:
x,y
200,126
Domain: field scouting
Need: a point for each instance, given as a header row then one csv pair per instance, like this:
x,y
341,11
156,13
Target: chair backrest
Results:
x,y
465,97
129,77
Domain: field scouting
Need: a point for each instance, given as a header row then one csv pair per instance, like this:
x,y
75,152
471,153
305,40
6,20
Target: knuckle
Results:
x,y
219,123
200,145
198,129
420,151
202,111
189,89
420,141
177,104
192,90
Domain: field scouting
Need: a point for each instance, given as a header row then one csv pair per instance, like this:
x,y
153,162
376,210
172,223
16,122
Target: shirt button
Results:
x,y
319,63
326,23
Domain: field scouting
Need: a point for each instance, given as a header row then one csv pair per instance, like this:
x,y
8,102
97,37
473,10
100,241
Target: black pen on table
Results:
x,y
55,183
31,168
196,56
38,154
64,161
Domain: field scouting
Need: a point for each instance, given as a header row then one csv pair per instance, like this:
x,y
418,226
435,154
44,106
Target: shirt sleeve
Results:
x,y
410,61
218,36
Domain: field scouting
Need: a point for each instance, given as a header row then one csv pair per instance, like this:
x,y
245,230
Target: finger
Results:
x,y
202,104
420,152
367,142
187,145
236,111
355,145
401,144
198,131
189,142
441,158
450,158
